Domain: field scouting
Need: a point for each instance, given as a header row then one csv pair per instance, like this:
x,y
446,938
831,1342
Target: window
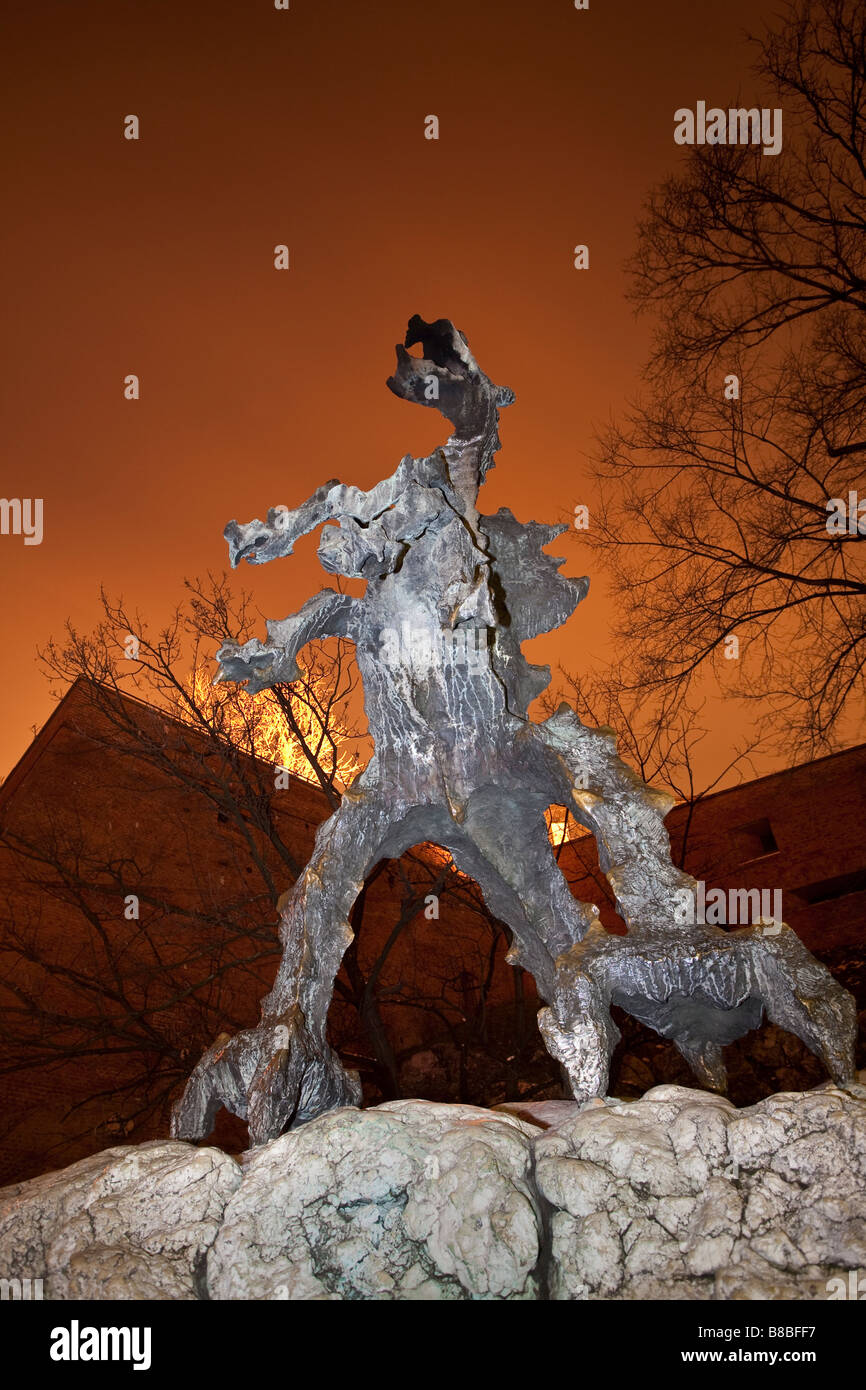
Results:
x,y
754,840
830,888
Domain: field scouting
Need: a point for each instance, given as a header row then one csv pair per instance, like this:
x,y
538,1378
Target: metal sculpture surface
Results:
x,y
451,595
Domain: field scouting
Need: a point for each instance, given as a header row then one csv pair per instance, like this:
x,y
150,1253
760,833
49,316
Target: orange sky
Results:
x,y
306,127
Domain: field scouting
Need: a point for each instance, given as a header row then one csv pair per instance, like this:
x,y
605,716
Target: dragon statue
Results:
x,y
451,595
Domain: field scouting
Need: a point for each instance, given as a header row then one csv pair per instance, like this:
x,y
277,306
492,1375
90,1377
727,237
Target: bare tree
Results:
x,y
443,964
128,953
714,509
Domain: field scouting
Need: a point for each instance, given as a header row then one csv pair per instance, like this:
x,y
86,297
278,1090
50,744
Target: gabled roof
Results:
x,y
57,720
71,712
771,776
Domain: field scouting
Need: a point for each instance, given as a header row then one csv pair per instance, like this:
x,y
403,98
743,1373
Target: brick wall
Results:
x,y
90,804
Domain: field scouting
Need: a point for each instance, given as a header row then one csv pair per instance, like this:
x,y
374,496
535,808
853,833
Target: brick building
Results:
x,y
141,864
800,836
800,833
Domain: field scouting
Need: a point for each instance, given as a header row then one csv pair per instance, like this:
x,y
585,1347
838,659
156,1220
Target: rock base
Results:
x,y
675,1196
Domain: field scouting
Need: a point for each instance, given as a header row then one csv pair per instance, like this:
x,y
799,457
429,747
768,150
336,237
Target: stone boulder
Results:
x,y
680,1195
131,1222
676,1196
411,1200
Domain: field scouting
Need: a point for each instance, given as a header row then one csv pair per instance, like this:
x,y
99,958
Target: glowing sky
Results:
x,y
307,127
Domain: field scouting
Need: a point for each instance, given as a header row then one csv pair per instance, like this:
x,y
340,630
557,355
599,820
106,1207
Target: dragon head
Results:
x,y
448,378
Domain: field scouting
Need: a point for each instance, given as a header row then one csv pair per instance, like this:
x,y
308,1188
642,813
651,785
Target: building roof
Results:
x,y
79,698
